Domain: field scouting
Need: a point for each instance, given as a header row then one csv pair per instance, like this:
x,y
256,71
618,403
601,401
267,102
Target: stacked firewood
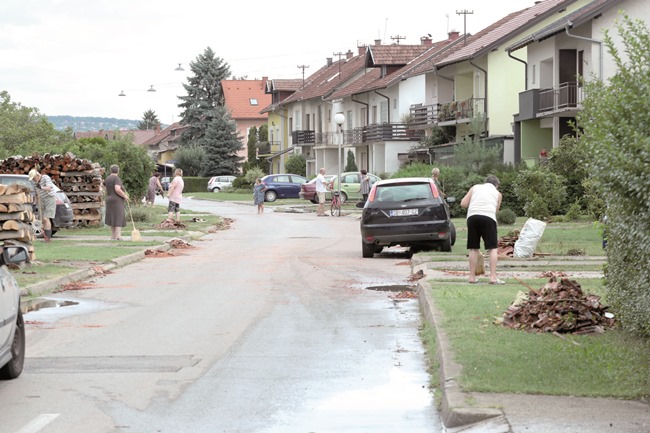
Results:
x,y
560,306
80,179
16,216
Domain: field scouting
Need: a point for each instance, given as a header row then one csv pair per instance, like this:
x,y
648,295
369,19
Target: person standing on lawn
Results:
x,y
175,195
47,196
116,196
482,202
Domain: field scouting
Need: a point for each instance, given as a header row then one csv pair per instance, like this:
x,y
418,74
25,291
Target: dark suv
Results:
x,y
409,212
64,215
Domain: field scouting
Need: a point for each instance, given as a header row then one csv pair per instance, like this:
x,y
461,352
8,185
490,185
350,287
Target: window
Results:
x,y
253,101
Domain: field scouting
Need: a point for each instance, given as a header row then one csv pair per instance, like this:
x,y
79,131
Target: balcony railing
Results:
x,y
565,96
266,148
427,116
303,137
369,134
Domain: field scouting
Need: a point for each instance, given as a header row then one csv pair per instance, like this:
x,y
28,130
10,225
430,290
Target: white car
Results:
x,y
217,183
12,326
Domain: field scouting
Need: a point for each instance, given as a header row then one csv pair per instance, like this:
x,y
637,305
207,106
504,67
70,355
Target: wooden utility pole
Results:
x,y
397,38
464,12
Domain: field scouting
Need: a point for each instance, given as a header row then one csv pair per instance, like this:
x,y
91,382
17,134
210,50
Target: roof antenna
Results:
x,y
303,67
385,27
464,12
397,38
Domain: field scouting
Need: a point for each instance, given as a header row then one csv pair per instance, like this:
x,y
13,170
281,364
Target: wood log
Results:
x,y
15,198
15,225
15,188
26,215
3,208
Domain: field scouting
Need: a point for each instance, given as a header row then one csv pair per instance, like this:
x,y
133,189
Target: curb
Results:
x,y
46,286
454,410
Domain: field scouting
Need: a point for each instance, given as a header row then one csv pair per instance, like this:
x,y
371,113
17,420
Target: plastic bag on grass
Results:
x,y
529,235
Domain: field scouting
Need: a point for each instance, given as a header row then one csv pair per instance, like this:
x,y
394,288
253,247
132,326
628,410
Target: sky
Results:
x,y
74,57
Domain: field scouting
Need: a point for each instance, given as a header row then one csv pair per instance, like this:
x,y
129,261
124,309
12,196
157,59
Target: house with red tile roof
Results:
x,y
245,100
139,136
163,144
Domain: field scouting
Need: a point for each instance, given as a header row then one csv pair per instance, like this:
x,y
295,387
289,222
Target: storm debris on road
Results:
x,y
158,253
179,243
405,294
558,306
75,285
417,276
224,224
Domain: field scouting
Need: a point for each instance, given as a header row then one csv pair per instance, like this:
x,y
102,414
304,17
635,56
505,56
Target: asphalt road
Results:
x,y
271,326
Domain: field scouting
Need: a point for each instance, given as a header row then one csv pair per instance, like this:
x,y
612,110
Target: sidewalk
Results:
x,y
518,413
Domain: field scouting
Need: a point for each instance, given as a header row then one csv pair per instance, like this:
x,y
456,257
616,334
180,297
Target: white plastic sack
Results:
x,y
529,235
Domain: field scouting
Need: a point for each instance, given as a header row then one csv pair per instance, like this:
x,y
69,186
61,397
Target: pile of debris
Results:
x,y
558,307
506,245
178,244
171,224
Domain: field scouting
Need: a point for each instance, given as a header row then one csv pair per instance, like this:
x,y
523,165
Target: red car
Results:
x,y
308,190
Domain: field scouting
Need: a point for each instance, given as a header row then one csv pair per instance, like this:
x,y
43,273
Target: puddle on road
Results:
x,y
40,303
51,309
392,288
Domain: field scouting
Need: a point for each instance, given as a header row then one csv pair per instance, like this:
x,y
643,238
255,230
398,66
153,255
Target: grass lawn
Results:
x,y
499,359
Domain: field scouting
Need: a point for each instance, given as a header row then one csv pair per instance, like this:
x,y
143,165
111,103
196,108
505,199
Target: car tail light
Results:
x,y
59,201
434,189
373,192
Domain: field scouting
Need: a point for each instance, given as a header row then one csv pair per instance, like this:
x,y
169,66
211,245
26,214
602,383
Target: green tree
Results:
x,y
149,120
616,132
252,146
222,143
569,160
297,164
542,192
351,165
472,153
23,130
204,96
190,159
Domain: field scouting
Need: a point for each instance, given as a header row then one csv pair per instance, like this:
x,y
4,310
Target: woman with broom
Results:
x,y
116,196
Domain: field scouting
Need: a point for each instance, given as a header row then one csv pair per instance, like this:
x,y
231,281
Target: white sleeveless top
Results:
x,y
485,199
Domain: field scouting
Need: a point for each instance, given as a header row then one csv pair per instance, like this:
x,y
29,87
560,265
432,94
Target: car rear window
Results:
x,y
404,192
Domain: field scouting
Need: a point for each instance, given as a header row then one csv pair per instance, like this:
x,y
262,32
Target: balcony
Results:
x,y
560,99
267,148
303,137
449,113
390,132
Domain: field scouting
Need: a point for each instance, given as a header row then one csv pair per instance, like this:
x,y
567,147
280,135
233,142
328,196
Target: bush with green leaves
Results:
x,y
543,193
616,125
296,164
506,216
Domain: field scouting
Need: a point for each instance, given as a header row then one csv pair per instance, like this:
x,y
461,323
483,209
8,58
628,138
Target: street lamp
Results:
x,y
339,119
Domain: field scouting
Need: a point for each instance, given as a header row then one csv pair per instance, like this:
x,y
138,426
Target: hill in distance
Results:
x,y
92,123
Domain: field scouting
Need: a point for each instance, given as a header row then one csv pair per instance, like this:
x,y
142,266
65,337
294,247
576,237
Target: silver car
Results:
x,y
12,326
217,183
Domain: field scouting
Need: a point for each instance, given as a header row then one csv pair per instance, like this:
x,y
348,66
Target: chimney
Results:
x,y
362,50
349,54
453,35
329,61
377,42
426,41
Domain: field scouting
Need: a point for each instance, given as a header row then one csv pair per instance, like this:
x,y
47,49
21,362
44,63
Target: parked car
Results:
x,y
350,184
64,215
217,183
282,186
12,326
349,187
308,189
409,212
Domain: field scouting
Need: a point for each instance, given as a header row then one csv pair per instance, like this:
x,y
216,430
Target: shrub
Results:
x,y
296,164
506,216
573,214
143,214
195,184
543,193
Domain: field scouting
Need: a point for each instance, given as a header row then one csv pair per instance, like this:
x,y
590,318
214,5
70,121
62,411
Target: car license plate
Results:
x,y
403,212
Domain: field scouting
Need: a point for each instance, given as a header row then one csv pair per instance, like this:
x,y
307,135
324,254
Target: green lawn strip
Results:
x,y
87,251
37,272
499,359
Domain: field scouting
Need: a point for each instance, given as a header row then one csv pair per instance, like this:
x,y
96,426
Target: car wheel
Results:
x,y
37,226
314,200
14,367
445,245
452,233
270,196
344,197
54,231
216,189
367,250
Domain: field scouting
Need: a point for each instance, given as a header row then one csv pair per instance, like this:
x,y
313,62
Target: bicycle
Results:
x,y
335,207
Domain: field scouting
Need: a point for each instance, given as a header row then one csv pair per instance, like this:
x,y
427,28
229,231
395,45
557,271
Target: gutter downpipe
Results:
x,y
367,122
485,111
525,68
388,100
595,41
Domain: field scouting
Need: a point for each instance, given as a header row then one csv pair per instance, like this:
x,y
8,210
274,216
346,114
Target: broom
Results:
x,y
135,234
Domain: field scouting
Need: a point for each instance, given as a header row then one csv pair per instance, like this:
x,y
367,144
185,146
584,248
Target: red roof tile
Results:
x,y
245,98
